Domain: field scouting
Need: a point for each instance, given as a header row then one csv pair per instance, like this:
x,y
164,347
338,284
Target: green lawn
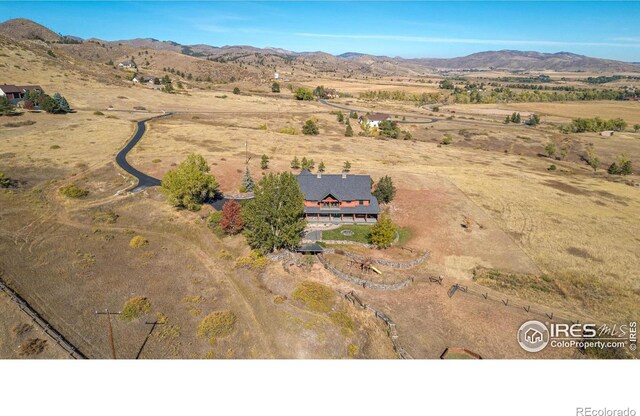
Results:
x,y
360,233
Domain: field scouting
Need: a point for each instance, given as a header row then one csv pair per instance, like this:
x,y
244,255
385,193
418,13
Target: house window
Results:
x,y
361,202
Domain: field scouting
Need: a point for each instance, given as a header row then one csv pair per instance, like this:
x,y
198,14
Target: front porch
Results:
x,y
339,218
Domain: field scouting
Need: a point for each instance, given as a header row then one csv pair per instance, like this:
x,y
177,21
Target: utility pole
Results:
x,y
153,326
110,328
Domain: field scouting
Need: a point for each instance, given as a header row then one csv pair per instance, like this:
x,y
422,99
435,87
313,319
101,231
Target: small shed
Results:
x,y
312,248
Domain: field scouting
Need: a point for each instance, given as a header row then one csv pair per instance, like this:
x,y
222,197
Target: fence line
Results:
x,y
56,336
390,324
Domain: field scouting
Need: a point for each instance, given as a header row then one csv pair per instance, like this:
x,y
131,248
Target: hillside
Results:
x,y
24,29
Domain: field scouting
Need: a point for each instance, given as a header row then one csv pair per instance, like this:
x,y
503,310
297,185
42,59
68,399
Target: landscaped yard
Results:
x,y
360,233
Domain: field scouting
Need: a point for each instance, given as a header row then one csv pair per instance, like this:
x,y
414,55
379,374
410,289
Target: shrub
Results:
x,y
236,90
98,113
138,241
275,87
217,325
254,261
106,217
135,307
315,296
73,191
310,128
550,149
54,147
383,232
190,184
622,166
552,167
5,181
303,94
295,163
447,139
156,161
289,130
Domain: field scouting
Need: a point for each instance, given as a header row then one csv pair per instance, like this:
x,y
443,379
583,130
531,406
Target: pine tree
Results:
x,y
346,166
247,181
295,163
385,190
6,108
517,121
274,218
348,131
307,164
264,162
61,103
340,117
507,120
321,167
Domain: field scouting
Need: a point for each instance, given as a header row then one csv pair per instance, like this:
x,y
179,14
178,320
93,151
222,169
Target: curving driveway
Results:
x,y
144,180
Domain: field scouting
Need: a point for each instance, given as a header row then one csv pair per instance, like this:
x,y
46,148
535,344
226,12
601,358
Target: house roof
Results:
x,y
127,63
378,117
7,88
347,188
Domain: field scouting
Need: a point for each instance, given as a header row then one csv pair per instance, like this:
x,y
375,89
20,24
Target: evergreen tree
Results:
x,y
507,120
346,166
383,232
349,130
264,162
6,108
61,103
307,164
190,184
247,181
517,120
340,117
236,90
295,163
321,167
275,87
385,190
274,218
310,127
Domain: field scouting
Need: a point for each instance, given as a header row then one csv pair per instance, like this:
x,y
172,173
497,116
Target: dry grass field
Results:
x,y
71,257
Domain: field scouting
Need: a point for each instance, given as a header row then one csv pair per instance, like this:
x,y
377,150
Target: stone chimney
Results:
x,y
344,174
319,175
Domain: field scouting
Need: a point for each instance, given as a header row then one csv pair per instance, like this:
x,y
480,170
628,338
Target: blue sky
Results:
x,y
408,29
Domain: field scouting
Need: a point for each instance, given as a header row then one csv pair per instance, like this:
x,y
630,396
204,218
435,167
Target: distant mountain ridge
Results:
x,y
349,62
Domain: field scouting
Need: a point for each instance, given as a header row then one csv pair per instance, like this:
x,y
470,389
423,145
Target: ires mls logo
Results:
x,y
533,336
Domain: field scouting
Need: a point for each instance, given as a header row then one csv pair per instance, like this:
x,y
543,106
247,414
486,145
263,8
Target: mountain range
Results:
x,y
251,61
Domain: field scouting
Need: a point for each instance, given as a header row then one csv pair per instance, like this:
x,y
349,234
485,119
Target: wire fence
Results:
x,y
56,336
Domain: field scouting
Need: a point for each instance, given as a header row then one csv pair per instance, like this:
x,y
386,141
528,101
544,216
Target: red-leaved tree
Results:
x,y
231,221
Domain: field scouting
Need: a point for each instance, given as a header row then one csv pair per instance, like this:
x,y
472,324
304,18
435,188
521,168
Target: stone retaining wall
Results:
x,y
362,282
390,263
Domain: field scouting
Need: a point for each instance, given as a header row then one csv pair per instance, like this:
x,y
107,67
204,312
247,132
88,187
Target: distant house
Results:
x,y
330,93
373,120
127,65
341,198
16,93
142,79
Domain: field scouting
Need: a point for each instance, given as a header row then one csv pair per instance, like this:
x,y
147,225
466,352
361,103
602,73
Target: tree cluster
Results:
x,y
190,184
